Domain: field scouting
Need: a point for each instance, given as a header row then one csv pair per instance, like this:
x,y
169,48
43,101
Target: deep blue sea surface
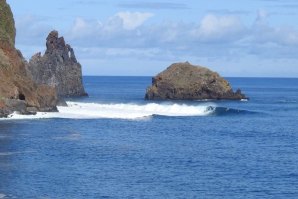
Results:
x,y
116,145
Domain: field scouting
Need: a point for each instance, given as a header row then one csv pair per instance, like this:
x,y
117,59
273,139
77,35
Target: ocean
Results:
x,y
114,144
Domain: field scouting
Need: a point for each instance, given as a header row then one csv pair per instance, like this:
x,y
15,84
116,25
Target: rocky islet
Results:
x,y
184,81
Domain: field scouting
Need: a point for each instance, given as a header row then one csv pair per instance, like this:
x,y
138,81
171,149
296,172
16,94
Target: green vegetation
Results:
x,y
7,25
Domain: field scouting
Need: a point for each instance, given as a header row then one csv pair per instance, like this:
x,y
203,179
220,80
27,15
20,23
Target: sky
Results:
x,y
236,38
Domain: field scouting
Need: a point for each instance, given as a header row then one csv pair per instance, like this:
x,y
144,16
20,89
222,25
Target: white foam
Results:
x,y
78,110
244,100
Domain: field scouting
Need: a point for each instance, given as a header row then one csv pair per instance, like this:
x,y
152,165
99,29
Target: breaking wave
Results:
x,y
223,111
78,110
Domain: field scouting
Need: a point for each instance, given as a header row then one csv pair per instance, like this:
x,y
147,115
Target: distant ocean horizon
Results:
x,y
226,77
115,144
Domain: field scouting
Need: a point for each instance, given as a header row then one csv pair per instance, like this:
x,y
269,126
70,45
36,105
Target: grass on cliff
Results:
x,y
7,25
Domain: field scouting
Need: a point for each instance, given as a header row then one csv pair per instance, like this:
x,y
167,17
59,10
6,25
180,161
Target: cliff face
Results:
x,y
17,90
183,81
7,27
58,67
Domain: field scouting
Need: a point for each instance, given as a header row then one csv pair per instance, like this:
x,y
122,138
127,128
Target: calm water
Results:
x,y
127,148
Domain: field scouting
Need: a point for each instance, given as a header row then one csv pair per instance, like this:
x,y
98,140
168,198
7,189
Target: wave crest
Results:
x,y
78,110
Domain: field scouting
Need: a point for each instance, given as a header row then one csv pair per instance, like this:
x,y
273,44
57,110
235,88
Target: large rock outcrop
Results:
x,y
7,27
17,90
183,81
58,67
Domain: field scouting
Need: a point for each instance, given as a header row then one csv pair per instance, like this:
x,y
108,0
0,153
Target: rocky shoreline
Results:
x,y
19,90
43,82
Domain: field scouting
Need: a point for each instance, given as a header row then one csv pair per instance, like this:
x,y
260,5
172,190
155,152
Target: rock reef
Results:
x,y
18,92
183,81
58,67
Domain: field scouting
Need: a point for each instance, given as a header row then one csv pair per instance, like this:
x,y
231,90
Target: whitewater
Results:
x,y
80,110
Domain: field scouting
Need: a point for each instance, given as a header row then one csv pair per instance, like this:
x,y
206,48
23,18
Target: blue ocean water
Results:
x,y
114,144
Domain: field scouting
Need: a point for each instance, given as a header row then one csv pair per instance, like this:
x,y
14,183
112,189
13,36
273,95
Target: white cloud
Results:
x,y
122,24
31,29
265,34
219,28
81,28
132,20
154,5
262,15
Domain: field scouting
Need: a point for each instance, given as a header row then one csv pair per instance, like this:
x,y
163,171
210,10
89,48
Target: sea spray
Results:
x,y
78,110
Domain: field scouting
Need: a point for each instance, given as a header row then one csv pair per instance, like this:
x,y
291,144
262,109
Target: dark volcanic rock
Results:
x,y
58,67
17,90
183,81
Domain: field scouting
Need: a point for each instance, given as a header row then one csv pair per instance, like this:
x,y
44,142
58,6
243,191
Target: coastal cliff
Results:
x,y
18,92
58,67
183,81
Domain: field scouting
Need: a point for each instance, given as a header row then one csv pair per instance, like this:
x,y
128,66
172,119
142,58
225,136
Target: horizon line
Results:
x,y
268,77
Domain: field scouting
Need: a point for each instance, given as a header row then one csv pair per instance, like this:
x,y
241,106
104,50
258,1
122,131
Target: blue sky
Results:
x,y
256,38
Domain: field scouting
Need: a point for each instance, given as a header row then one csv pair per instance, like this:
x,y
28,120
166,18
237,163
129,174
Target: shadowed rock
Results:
x,y
183,81
58,67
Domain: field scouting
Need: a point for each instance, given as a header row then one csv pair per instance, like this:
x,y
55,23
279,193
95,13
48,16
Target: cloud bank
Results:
x,y
154,5
219,34
136,35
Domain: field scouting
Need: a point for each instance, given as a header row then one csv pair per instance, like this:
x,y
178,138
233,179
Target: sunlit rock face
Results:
x,y
183,81
18,92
